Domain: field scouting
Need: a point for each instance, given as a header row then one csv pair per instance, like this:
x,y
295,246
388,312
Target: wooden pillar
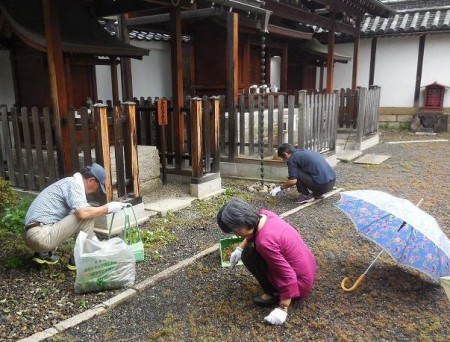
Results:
x,y
356,46
284,68
196,137
321,77
232,81
419,70
246,67
177,84
114,82
58,87
215,131
125,63
102,153
330,61
373,55
131,152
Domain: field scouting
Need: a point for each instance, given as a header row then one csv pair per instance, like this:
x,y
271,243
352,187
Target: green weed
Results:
x,y
13,218
14,262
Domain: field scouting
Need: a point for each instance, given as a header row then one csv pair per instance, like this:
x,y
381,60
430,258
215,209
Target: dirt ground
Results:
x,y
205,302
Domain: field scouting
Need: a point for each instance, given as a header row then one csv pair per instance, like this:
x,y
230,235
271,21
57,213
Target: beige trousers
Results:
x,y
46,238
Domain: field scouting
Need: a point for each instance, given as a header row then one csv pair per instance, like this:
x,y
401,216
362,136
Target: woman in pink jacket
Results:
x,y
279,259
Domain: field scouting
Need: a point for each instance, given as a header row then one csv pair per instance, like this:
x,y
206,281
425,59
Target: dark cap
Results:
x,y
99,173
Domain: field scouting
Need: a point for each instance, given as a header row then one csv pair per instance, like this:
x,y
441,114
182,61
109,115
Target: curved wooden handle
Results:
x,y
354,286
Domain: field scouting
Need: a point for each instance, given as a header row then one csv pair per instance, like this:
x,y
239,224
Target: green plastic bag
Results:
x,y
131,235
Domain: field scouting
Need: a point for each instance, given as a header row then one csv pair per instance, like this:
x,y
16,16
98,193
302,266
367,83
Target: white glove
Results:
x,y
275,191
114,207
277,316
235,256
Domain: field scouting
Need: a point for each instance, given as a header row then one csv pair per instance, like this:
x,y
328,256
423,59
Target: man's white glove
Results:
x,y
235,256
277,316
275,191
114,207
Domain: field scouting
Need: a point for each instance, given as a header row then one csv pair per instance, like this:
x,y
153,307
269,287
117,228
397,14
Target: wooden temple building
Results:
x,y
54,46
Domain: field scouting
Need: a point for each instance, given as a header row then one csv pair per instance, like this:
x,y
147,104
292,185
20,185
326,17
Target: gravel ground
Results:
x,y
205,302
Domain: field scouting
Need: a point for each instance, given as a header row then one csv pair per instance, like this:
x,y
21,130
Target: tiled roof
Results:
x,y
412,17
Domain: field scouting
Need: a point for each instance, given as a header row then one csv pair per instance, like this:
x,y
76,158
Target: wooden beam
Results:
x,y
285,32
301,16
419,70
165,17
356,46
177,84
58,87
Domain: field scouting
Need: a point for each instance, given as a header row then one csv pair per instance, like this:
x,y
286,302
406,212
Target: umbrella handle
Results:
x,y
354,286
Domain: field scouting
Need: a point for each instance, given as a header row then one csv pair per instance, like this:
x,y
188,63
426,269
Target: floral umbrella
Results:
x,y
408,234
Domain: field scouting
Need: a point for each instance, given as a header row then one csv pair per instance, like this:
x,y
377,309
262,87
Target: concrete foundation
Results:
x,y
208,186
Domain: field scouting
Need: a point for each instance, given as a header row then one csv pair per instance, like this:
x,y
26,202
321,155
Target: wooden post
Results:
x,y
419,71
196,137
177,84
114,82
125,63
58,87
362,92
118,151
215,131
232,80
162,106
284,69
373,54
132,153
302,117
356,46
103,138
330,60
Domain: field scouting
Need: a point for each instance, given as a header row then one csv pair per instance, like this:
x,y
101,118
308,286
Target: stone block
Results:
x,y
207,186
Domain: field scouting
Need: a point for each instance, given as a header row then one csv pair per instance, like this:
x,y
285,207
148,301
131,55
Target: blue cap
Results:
x,y
99,173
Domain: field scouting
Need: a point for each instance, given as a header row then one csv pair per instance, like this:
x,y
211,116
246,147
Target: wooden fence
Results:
x,y
359,110
30,158
261,122
200,128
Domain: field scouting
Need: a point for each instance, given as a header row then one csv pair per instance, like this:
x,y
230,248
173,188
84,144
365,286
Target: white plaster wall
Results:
x,y
151,75
6,81
436,66
343,72
395,68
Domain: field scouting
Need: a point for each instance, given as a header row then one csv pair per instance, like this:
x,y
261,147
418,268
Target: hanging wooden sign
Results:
x,y
162,112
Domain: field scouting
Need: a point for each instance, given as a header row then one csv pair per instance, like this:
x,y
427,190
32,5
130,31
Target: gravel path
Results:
x,y
205,302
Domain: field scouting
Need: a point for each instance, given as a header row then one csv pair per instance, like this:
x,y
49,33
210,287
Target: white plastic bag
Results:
x,y
103,265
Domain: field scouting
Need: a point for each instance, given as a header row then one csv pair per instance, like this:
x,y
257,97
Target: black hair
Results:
x,y
236,215
285,148
86,173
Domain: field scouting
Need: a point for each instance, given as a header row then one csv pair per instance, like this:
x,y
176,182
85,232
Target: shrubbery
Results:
x,y
13,208
8,197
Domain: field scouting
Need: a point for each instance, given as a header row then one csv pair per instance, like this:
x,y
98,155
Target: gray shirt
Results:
x,y
57,201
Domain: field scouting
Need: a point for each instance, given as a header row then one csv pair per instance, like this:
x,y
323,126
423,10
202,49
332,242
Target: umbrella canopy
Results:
x,y
408,234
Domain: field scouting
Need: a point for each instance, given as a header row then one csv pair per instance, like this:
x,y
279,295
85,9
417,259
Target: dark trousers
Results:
x,y
305,184
258,267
